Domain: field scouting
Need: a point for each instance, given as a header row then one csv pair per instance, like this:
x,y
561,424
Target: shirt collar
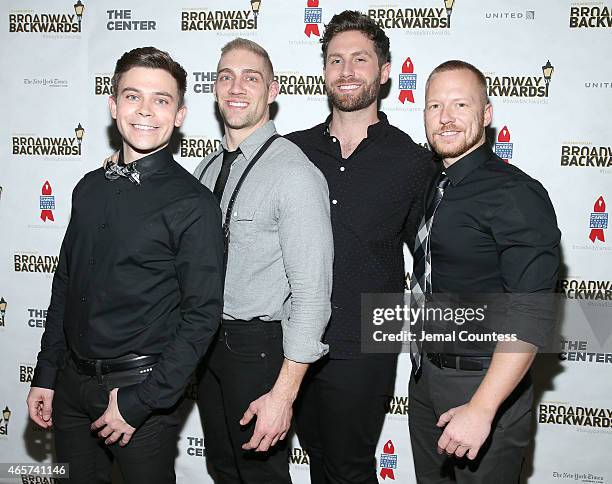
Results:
x,y
464,166
150,163
250,146
374,130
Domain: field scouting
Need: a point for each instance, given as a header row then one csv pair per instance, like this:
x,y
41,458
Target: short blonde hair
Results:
x,y
254,47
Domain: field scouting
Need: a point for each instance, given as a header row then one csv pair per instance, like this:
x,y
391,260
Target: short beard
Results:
x,y
350,103
459,150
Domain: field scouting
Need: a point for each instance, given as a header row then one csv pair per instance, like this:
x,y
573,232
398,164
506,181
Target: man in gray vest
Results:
x,y
279,253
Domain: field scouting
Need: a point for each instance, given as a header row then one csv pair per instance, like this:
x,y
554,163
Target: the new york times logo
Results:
x,y
586,155
198,20
198,146
26,372
577,351
301,85
586,477
585,289
35,263
37,318
298,456
46,82
49,145
195,447
574,415
398,405
29,21
588,17
521,86
413,18
102,85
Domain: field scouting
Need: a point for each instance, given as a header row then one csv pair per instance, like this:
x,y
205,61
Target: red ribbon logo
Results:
x,y
504,135
388,461
406,94
504,151
47,203
598,222
312,28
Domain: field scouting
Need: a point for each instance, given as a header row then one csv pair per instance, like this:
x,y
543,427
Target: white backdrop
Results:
x,y
55,78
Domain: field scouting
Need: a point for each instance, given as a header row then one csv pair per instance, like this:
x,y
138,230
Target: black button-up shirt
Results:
x,y
140,271
376,197
495,232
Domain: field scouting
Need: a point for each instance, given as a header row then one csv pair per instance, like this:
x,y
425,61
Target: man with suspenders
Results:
x,y
279,253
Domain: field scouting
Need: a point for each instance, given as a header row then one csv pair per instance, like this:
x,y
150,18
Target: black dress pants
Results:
x,y
78,401
242,365
500,459
340,414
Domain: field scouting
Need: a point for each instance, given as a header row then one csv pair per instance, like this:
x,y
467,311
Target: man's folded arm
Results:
x,y
526,233
307,246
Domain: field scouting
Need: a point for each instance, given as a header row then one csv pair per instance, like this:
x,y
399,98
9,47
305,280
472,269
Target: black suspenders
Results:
x,y
232,200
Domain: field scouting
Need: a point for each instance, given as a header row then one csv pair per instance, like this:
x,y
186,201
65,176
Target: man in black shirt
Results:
x,y
376,176
489,230
137,295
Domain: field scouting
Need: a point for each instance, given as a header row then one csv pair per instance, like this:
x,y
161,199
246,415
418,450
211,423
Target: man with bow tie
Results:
x,y
137,295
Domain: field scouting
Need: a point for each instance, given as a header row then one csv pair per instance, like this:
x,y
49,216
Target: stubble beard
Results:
x,y
240,122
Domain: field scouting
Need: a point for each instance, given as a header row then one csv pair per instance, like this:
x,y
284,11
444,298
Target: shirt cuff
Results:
x,y
44,377
532,317
304,353
536,331
133,411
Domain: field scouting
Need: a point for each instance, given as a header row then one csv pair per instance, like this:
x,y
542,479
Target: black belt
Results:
x,y
459,362
240,322
102,367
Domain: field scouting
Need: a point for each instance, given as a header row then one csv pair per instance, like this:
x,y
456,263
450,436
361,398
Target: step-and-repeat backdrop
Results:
x,y
548,69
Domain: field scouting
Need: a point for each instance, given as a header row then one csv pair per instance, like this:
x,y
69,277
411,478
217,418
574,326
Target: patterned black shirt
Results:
x,y
376,198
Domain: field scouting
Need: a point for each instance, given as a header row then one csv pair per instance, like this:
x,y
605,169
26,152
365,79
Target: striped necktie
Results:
x,y
420,282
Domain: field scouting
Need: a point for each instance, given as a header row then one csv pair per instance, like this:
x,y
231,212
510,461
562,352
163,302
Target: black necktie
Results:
x,y
228,159
420,282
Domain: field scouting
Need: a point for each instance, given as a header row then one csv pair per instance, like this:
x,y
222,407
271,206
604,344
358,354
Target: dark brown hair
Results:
x,y
154,59
354,20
